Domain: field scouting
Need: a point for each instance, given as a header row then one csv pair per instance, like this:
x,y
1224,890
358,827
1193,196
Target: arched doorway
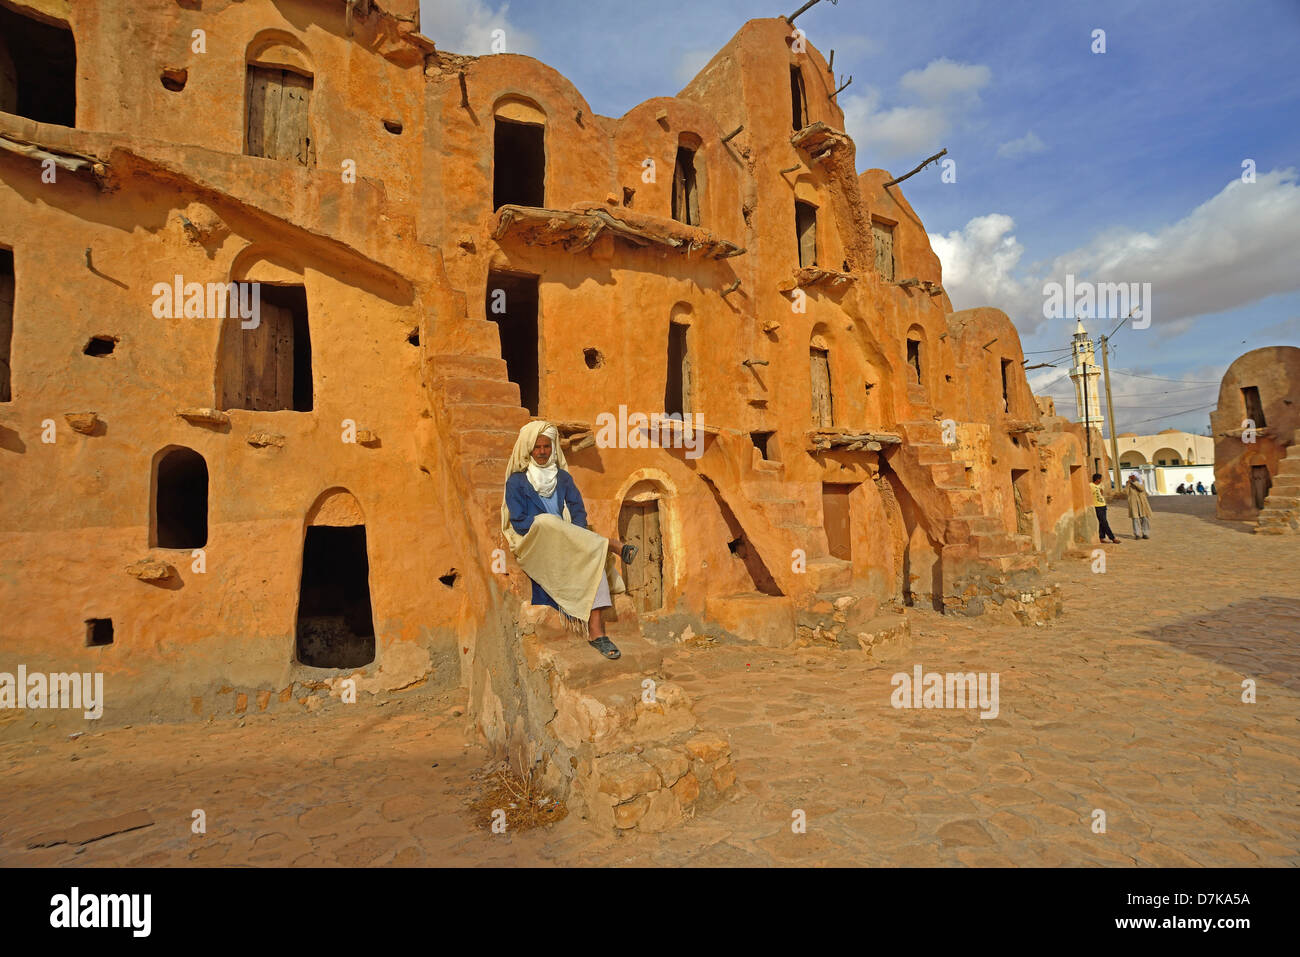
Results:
x,y
335,624
641,522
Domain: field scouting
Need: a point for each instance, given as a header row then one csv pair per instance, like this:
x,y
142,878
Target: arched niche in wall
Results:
x,y
916,355
680,387
518,152
278,88
178,514
688,180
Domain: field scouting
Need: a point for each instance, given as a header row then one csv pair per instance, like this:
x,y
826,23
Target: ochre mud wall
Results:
x,y
858,451
1241,449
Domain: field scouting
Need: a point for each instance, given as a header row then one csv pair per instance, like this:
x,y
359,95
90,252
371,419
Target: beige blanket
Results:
x,y
564,559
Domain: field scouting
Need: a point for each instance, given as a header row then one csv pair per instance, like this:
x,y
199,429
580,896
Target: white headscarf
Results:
x,y
543,478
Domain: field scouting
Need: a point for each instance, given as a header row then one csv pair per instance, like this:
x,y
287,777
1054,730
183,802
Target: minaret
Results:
x,y
1083,356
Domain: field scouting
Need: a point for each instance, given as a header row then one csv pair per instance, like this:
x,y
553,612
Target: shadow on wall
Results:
x,y
1243,636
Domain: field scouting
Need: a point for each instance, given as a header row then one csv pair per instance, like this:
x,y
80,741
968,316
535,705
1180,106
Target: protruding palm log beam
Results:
x,y
918,169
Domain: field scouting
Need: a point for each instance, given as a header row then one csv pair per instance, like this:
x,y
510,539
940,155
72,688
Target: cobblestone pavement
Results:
x,y
1130,704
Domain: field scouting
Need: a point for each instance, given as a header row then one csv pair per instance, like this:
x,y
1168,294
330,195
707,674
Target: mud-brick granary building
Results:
x,y
227,515
1256,453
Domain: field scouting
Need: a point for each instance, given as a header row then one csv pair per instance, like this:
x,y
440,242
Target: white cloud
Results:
x,y
466,26
1236,248
938,94
1025,146
980,267
943,80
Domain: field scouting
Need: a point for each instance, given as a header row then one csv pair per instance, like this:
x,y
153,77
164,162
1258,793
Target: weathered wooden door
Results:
x,y
1260,483
836,519
823,413
1019,491
883,237
638,524
257,364
805,225
279,108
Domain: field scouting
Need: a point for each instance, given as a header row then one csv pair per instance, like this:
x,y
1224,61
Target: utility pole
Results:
x,y
1110,409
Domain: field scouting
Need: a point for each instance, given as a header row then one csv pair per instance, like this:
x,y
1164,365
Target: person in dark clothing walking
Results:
x,y
1099,502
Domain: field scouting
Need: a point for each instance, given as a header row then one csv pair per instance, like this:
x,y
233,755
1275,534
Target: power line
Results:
x,y
1138,395
1160,378
1169,415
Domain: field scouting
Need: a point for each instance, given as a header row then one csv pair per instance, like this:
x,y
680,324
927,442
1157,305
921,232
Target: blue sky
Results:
x,y
1122,166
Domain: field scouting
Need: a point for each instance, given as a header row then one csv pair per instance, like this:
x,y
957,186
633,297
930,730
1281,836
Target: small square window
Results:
x,y
99,632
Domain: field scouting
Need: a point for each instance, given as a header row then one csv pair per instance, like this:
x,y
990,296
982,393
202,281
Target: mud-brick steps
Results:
x,y
968,524
628,740
1281,512
783,504
483,407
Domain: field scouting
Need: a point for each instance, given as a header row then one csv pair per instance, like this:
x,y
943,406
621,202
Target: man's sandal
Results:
x,y
629,553
606,647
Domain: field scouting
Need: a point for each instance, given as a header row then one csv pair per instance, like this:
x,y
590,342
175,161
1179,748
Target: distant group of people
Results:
x,y
1198,489
1139,508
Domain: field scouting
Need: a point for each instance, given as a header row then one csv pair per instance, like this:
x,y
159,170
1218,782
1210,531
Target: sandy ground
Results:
x,y
1130,704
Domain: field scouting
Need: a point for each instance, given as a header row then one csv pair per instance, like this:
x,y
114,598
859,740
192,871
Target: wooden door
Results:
x,y
883,236
1260,483
1019,491
805,225
823,413
638,524
836,518
279,108
257,364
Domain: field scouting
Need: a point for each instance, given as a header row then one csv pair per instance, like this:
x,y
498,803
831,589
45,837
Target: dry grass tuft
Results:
x,y
517,793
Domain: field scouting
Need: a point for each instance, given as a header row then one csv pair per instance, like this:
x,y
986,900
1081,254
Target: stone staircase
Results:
x,y
1281,512
630,738
966,523
615,757
782,506
778,519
